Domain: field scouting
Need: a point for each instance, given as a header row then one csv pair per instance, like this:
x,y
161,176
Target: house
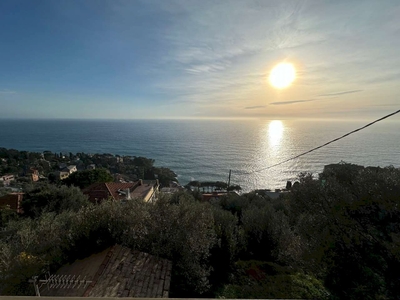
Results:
x,y
65,168
214,195
91,167
71,169
33,174
147,190
170,190
65,172
6,179
115,272
117,191
61,174
12,201
173,187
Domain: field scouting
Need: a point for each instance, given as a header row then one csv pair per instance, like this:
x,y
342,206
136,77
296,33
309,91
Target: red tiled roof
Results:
x,y
100,191
117,272
208,197
114,187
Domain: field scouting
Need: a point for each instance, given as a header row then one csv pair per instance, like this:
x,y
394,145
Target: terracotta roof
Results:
x,y
100,191
142,190
209,196
117,272
114,187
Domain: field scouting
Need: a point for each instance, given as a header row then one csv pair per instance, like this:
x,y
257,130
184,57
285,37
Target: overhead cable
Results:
x,y
319,147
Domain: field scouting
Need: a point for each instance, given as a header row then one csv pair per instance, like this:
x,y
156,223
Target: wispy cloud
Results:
x,y
213,56
207,68
383,78
255,107
213,49
340,93
5,91
291,102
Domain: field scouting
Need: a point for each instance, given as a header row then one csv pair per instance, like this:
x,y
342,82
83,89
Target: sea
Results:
x,y
207,150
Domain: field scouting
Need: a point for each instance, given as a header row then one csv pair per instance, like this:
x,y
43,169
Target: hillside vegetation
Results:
x,y
335,237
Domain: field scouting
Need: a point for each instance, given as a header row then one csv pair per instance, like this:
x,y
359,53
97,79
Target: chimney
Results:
x,y
140,181
128,194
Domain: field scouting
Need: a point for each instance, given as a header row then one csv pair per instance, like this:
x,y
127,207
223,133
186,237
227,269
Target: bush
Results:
x,y
262,280
50,198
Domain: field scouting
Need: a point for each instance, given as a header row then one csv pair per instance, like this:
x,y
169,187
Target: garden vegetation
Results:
x,y
332,237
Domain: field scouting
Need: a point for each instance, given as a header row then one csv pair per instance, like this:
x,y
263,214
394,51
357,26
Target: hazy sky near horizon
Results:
x,y
183,58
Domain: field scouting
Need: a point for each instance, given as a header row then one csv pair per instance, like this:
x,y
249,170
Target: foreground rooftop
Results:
x,y
116,272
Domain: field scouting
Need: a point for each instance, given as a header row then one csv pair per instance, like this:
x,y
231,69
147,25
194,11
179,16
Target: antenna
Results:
x,y
59,281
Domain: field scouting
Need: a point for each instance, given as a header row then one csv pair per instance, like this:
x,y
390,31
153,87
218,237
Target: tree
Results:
x,y
350,232
85,178
144,162
227,247
7,215
165,176
51,198
184,234
234,188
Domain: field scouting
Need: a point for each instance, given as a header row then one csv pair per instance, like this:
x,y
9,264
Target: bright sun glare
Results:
x,y
282,75
275,132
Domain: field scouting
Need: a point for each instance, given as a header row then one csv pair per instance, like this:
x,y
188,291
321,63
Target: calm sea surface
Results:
x,y
207,150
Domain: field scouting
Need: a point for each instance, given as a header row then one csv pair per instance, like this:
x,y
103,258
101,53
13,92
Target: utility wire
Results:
x,y
321,146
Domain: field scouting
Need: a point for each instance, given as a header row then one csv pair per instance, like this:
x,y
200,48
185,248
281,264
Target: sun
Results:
x,y
282,75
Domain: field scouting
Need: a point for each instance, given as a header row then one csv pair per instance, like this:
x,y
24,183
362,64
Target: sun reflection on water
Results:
x,y
275,132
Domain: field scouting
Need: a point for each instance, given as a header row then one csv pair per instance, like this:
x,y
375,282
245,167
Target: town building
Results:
x,y
71,169
65,171
91,167
214,195
61,174
6,179
169,190
115,272
173,188
33,174
147,190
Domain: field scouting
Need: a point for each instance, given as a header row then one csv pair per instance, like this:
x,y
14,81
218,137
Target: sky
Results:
x,y
198,59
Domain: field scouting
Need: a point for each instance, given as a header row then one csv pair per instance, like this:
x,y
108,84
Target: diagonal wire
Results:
x,y
321,146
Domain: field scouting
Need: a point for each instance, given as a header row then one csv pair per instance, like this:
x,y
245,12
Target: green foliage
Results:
x,y
350,230
234,187
144,162
184,234
18,162
340,230
267,233
194,183
85,178
25,252
7,215
164,175
4,191
262,280
51,198
16,270
227,247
